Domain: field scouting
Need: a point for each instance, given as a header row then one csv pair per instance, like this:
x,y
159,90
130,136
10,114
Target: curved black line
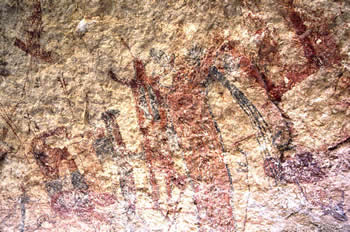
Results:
x,y
249,109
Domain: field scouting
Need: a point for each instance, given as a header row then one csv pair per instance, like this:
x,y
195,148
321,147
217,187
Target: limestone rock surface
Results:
x,y
186,115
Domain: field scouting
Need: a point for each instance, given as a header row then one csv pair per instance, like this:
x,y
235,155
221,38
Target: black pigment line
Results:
x,y
179,144
120,156
248,186
222,148
220,136
229,177
154,104
250,110
339,144
143,103
107,118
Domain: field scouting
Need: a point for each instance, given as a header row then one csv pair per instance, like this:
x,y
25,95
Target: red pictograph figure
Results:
x,y
31,45
78,200
199,139
153,123
111,145
184,111
318,46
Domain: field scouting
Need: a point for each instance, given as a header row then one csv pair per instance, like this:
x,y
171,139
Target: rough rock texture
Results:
x,y
198,115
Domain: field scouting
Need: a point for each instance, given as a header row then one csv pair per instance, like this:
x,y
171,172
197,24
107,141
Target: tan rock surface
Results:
x,y
174,115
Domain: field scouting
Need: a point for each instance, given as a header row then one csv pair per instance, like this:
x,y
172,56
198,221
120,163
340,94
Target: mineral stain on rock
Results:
x,y
300,169
32,45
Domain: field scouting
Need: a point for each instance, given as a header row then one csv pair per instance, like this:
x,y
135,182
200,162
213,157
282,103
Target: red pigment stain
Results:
x,y
302,168
33,33
153,122
111,123
274,92
126,179
199,140
305,41
67,203
187,107
319,48
50,159
81,203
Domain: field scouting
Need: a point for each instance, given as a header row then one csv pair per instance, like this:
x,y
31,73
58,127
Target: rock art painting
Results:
x,y
237,120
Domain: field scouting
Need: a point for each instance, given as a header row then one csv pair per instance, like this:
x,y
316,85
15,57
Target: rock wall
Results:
x,y
147,115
